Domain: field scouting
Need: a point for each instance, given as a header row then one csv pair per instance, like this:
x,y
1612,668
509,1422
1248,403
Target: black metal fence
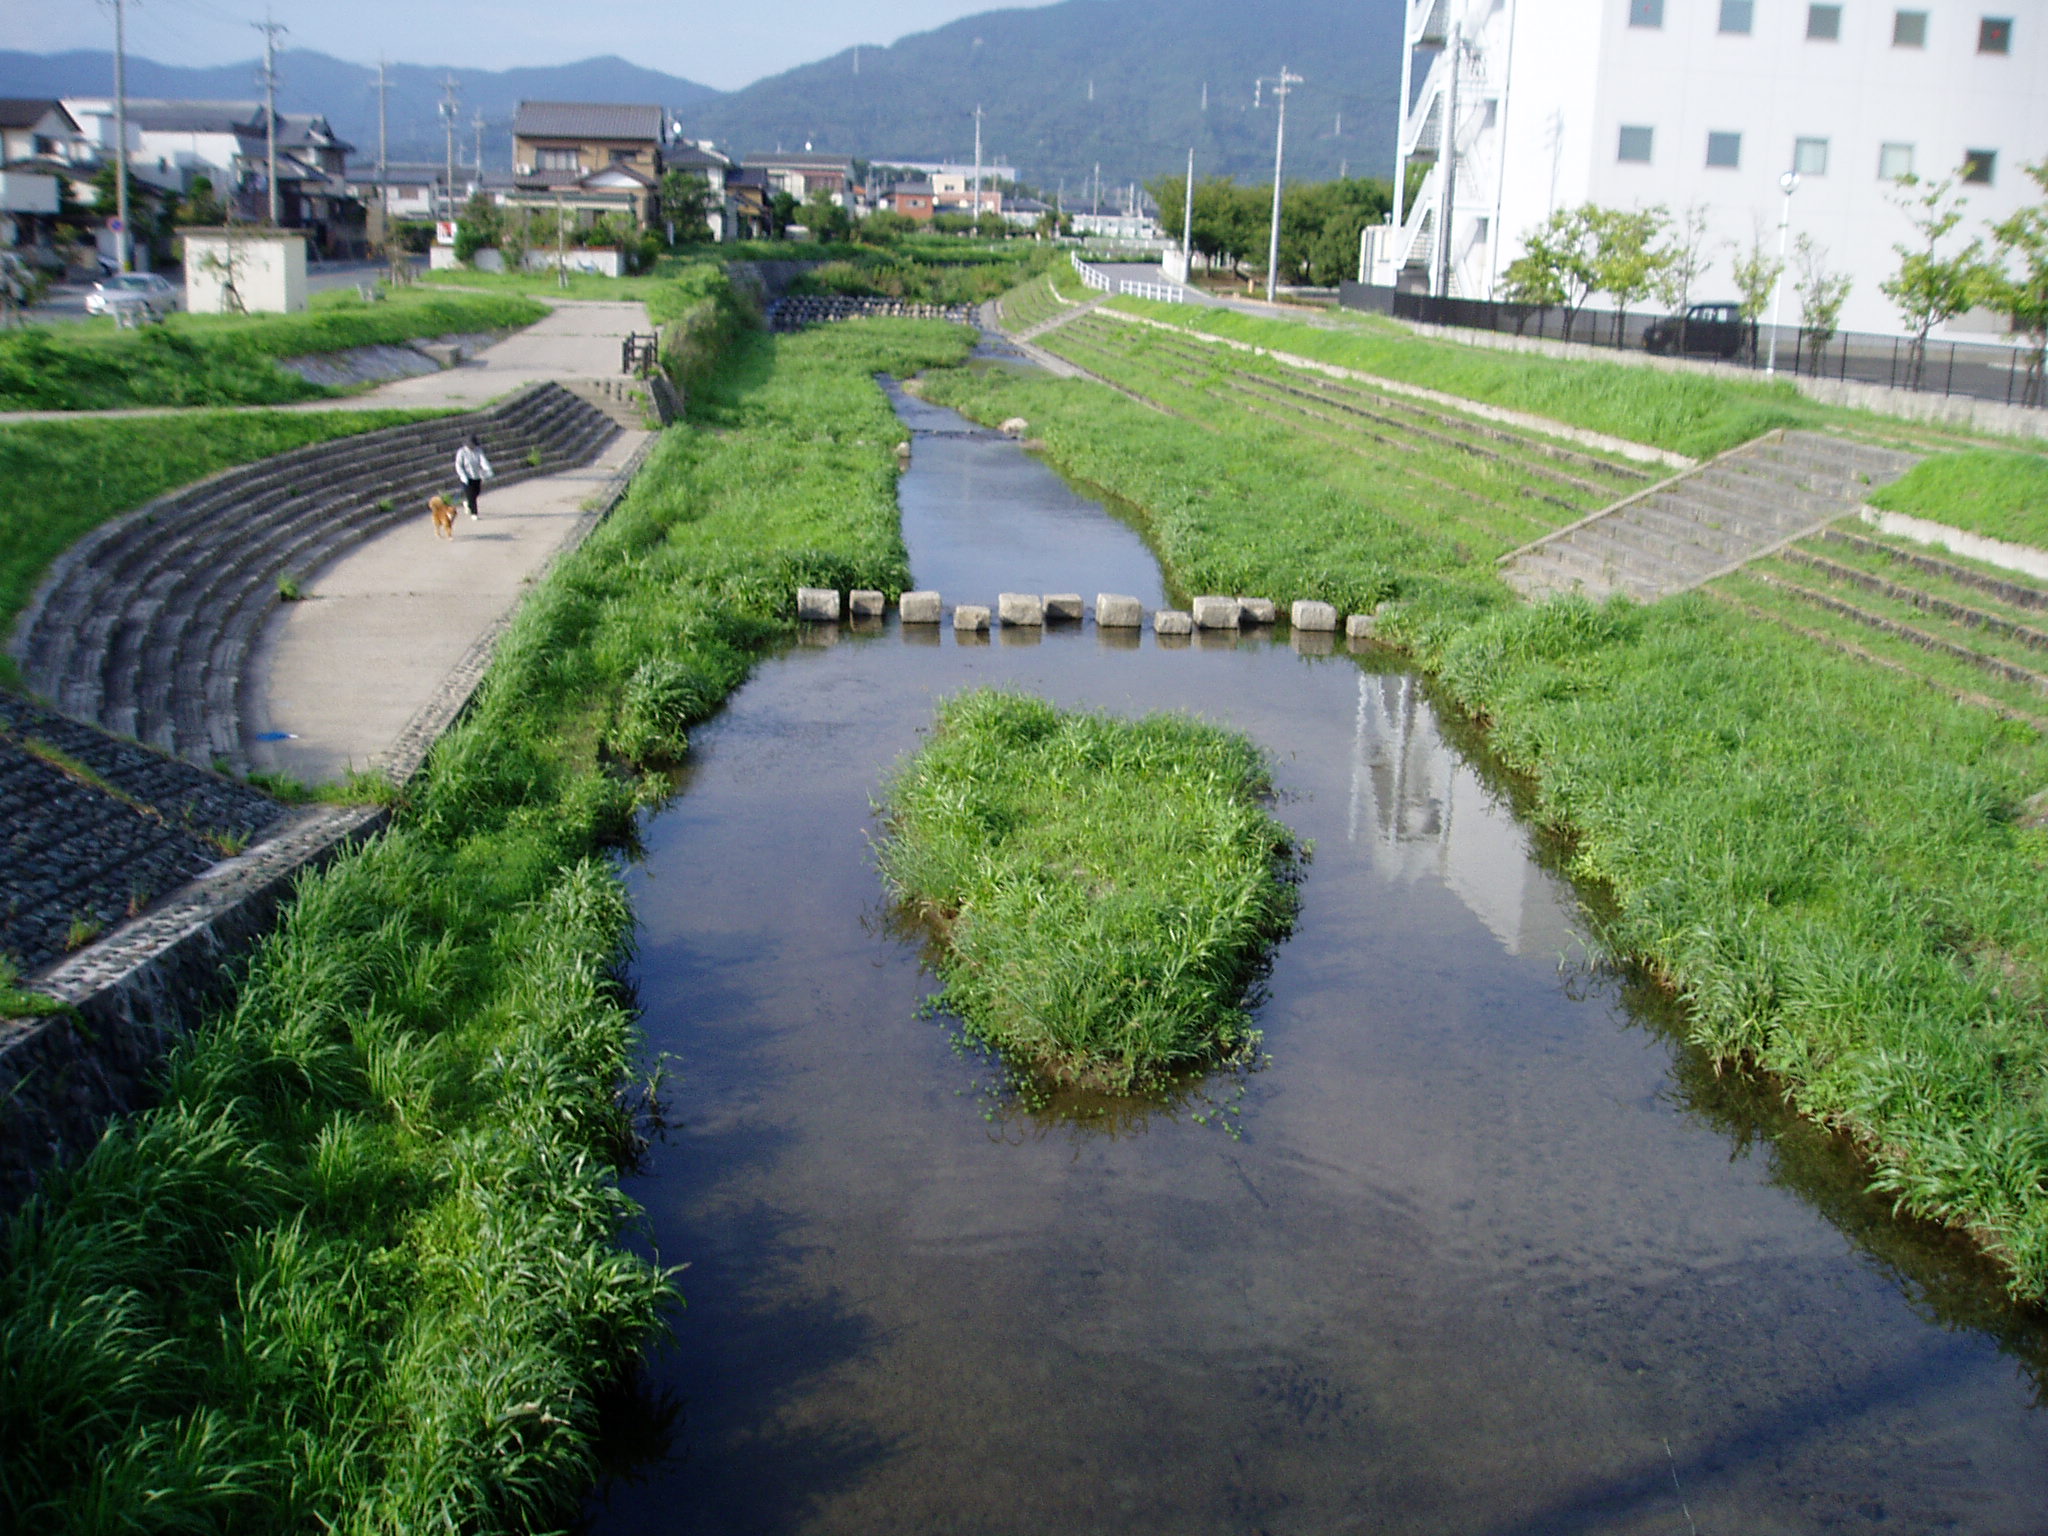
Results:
x,y
1979,370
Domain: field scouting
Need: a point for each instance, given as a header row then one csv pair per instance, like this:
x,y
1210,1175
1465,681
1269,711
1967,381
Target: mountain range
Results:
x,y
1126,85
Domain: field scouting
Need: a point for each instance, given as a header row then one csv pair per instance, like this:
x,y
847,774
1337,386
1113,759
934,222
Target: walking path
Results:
x,y
399,628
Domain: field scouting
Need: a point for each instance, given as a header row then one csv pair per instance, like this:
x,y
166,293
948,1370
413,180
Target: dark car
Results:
x,y
1715,330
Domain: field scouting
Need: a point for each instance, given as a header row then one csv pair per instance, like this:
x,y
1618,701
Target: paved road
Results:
x,y
66,301
383,627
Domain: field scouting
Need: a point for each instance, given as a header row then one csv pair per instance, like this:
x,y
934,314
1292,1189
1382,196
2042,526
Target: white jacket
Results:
x,y
470,464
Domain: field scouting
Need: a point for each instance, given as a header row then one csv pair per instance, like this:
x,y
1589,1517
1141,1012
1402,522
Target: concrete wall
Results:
x,y
267,269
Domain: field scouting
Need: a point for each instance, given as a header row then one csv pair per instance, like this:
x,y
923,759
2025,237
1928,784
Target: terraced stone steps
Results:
x,y
147,626
1708,521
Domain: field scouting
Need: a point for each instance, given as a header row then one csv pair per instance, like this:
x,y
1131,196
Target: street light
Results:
x,y
1788,184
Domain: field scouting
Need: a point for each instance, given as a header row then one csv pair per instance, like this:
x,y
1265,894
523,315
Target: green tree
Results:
x,y
825,219
200,207
1932,284
885,225
2019,287
1627,262
1559,264
479,228
1685,260
1756,272
1821,292
685,199
782,211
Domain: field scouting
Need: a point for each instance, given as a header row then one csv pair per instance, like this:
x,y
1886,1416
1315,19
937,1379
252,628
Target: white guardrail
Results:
x,y
1166,293
1089,275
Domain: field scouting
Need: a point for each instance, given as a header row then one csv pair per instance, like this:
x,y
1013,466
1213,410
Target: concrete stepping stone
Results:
x,y
1311,615
919,607
1113,610
1020,608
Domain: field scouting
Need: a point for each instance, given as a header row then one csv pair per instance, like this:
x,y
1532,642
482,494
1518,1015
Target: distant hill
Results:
x,y
1146,61
347,93
1062,88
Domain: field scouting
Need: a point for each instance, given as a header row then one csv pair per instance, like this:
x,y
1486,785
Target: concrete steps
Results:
x,y
146,627
1706,522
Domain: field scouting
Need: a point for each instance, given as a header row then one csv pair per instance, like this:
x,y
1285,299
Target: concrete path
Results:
x,y
387,628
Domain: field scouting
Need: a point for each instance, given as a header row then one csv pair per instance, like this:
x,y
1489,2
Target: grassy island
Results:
x,y
1104,890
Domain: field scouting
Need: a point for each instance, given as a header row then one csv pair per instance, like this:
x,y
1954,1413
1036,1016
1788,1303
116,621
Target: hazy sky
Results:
x,y
721,44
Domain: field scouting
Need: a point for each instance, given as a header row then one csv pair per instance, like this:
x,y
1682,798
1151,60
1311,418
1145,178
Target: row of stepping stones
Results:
x,y
1113,610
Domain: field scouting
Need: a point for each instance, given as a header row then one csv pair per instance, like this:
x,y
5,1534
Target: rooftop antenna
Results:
x,y
269,29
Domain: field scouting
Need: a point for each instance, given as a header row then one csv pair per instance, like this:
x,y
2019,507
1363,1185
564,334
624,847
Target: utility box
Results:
x,y
244,271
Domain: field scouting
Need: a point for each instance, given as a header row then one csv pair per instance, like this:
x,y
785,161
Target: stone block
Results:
x,y
1172,621
1215,613
1360,626
1062,605
971,617
817,605
1312,615
1020,608
1256,610
920,607
1313,642
1115,611
863,603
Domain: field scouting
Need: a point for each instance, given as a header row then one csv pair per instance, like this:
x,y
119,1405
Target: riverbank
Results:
x,y
362,1264
1837,873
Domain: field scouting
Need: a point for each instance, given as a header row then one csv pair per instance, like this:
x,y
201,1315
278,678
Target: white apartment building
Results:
x,y
1551,103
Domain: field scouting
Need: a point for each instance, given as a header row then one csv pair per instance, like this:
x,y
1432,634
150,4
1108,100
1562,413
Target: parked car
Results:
x,y
1716,330
133,291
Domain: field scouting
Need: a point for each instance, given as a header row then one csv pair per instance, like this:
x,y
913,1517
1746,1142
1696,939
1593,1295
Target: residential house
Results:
x,y
590,158
41,147
699,158
803,175
913,199
748,196
1707,104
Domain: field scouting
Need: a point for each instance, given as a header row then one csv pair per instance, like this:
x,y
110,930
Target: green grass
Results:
x,y
65,478
199,360
1686,413
2000,494
1104,891
636,287
1831,865
361,1269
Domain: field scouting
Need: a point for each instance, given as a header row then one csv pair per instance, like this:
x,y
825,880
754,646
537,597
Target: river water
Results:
x,y
1489,1253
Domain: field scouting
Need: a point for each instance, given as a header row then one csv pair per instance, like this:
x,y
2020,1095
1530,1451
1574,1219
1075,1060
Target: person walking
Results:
x,y
473,469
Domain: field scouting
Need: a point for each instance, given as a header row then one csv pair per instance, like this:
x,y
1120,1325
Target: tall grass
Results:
x,y
198,360
65,478
2001,494
1839,872
360,1270
1104,890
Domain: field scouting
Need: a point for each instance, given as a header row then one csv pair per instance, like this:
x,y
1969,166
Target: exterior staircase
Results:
x,y
146,626
1708,521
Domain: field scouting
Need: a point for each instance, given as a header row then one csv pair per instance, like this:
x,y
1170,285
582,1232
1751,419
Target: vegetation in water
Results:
x,y
1838,871
199,360
1104,891
65,478
361,1268
2001,494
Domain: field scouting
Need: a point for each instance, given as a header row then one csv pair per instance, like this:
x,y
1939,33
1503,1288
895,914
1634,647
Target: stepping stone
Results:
x,y
1115,611
1215,613
1020,608
817,605
1360,626
972,617
920,607
1062,605
864,603
1311,615
1256,610
1172,621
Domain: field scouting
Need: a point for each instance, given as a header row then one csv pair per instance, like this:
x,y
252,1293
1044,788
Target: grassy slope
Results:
x,y
1686,413
65,478
1105,888
360,1268
2003,495
1825,861
225,359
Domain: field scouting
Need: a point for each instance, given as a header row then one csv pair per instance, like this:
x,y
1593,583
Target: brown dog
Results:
x,y
444,517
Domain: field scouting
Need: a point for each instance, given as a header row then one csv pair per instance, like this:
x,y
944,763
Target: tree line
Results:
x,y
1320,223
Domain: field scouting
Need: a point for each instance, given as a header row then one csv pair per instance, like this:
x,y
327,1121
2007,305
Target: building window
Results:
x,y
1978,165
1724,149
1646,13
1909,29
1810,157
555,160
1635,145
1738,16
1894,162
1824,23
1994,34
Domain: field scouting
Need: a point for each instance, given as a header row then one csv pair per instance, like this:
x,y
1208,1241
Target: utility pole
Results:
x,y
450,94
383,141
1187,223
477,123
270,29
123,245
1281,87
977,163
1448,156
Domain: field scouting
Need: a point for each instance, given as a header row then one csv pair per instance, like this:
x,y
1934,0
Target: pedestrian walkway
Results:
x,y
393,634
